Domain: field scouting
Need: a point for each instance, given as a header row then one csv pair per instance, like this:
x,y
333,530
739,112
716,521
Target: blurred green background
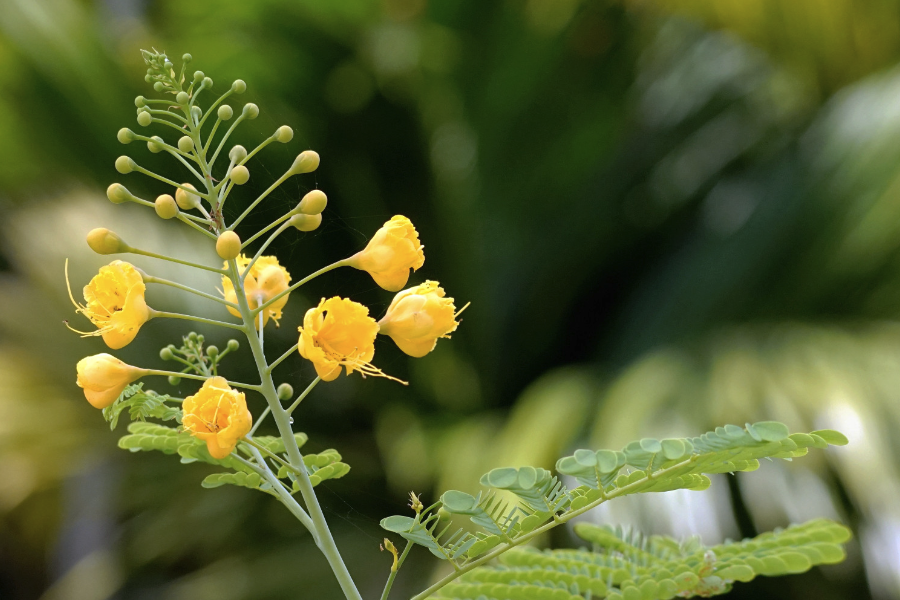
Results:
x,y
667,214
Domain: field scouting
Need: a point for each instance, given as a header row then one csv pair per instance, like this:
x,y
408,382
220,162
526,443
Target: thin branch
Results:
x,y
176,260
169,315
340,263
262,196
278,360
247,386
152,279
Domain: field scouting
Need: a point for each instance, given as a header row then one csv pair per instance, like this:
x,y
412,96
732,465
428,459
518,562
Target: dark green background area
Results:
x,y
666,216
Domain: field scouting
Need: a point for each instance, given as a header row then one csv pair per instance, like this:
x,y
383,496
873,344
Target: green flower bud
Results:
x,y
156,145
306,162
240,175
144,119
250,111
225,112
104,241
237,154
140,101
168,64
187,200
313,203
200,338
166,207
306,222
148,78
196,113
283,134
228,245
117,193
443,514
233,345
185,143
174,380
207,82
159,86
125,165
166,354
285,391
186,57
198,75
212,351
239,86
125,136
182,98
192,336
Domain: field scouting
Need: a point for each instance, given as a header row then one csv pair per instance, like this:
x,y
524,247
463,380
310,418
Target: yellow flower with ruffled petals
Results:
x,y
115,304
339,333
265,280
390,254
218,415
417,317
104,377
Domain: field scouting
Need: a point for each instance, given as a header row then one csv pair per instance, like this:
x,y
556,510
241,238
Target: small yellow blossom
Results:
x,y
390,254
115,304
265,280
103,377
339,332
417,317
218,415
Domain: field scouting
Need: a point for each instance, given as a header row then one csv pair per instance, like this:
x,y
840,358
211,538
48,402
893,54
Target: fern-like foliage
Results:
x,y
649,568
539,500
141,405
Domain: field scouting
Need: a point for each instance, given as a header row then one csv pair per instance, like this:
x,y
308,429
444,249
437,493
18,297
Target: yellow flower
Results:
x,y
339,332
417,317
115,303
265,280
390,254
103,377
217,415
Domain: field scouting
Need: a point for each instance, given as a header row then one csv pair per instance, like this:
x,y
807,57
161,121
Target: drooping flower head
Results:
x,y
218,415
103,377
339,333
115,304
417,317
390,254
265,280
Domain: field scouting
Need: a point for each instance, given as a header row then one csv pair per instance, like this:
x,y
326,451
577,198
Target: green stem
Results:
x,y
262,231
262,248
182,217
169,315
224,139
393,575
152,279
246,386
278,360
300,398
340,263
262,196
176,260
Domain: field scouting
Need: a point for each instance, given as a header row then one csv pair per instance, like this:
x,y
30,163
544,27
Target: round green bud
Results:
x,y
198,75
125,136
155,146
225,112
443,514
185,144
168,64
159,86
166,207
239,87
144,119
186,57
240,175
192,336
148,78
125,165
228,245
187,200
250,111
140,101
104,241
313,203
171,347
237,154
207,82
174,380
306,162
283,134
285,391
306,222
200,338
182,98
212,351
233,345
196,113
117,193
166,354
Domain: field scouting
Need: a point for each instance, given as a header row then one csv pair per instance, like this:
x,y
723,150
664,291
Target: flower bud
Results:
x,y
237,154
156,145
104,241
239,87
125,165
140,101
240,175
225,112
185,144
168,64
147,77
417,317
228,245
159,86
233,345
187,200
306,162
212,351
283,134
173,380
144,119
196,113
166,206
285,391
186,57
182,98
250,111
125,136
104,377
313,203
390,254
306,222
166,354
207,82
118,193
200,337
198,75
192,336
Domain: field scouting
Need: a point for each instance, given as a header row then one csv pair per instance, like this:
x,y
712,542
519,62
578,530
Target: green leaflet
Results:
x,y
321,467
248,480
656,567
141,405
